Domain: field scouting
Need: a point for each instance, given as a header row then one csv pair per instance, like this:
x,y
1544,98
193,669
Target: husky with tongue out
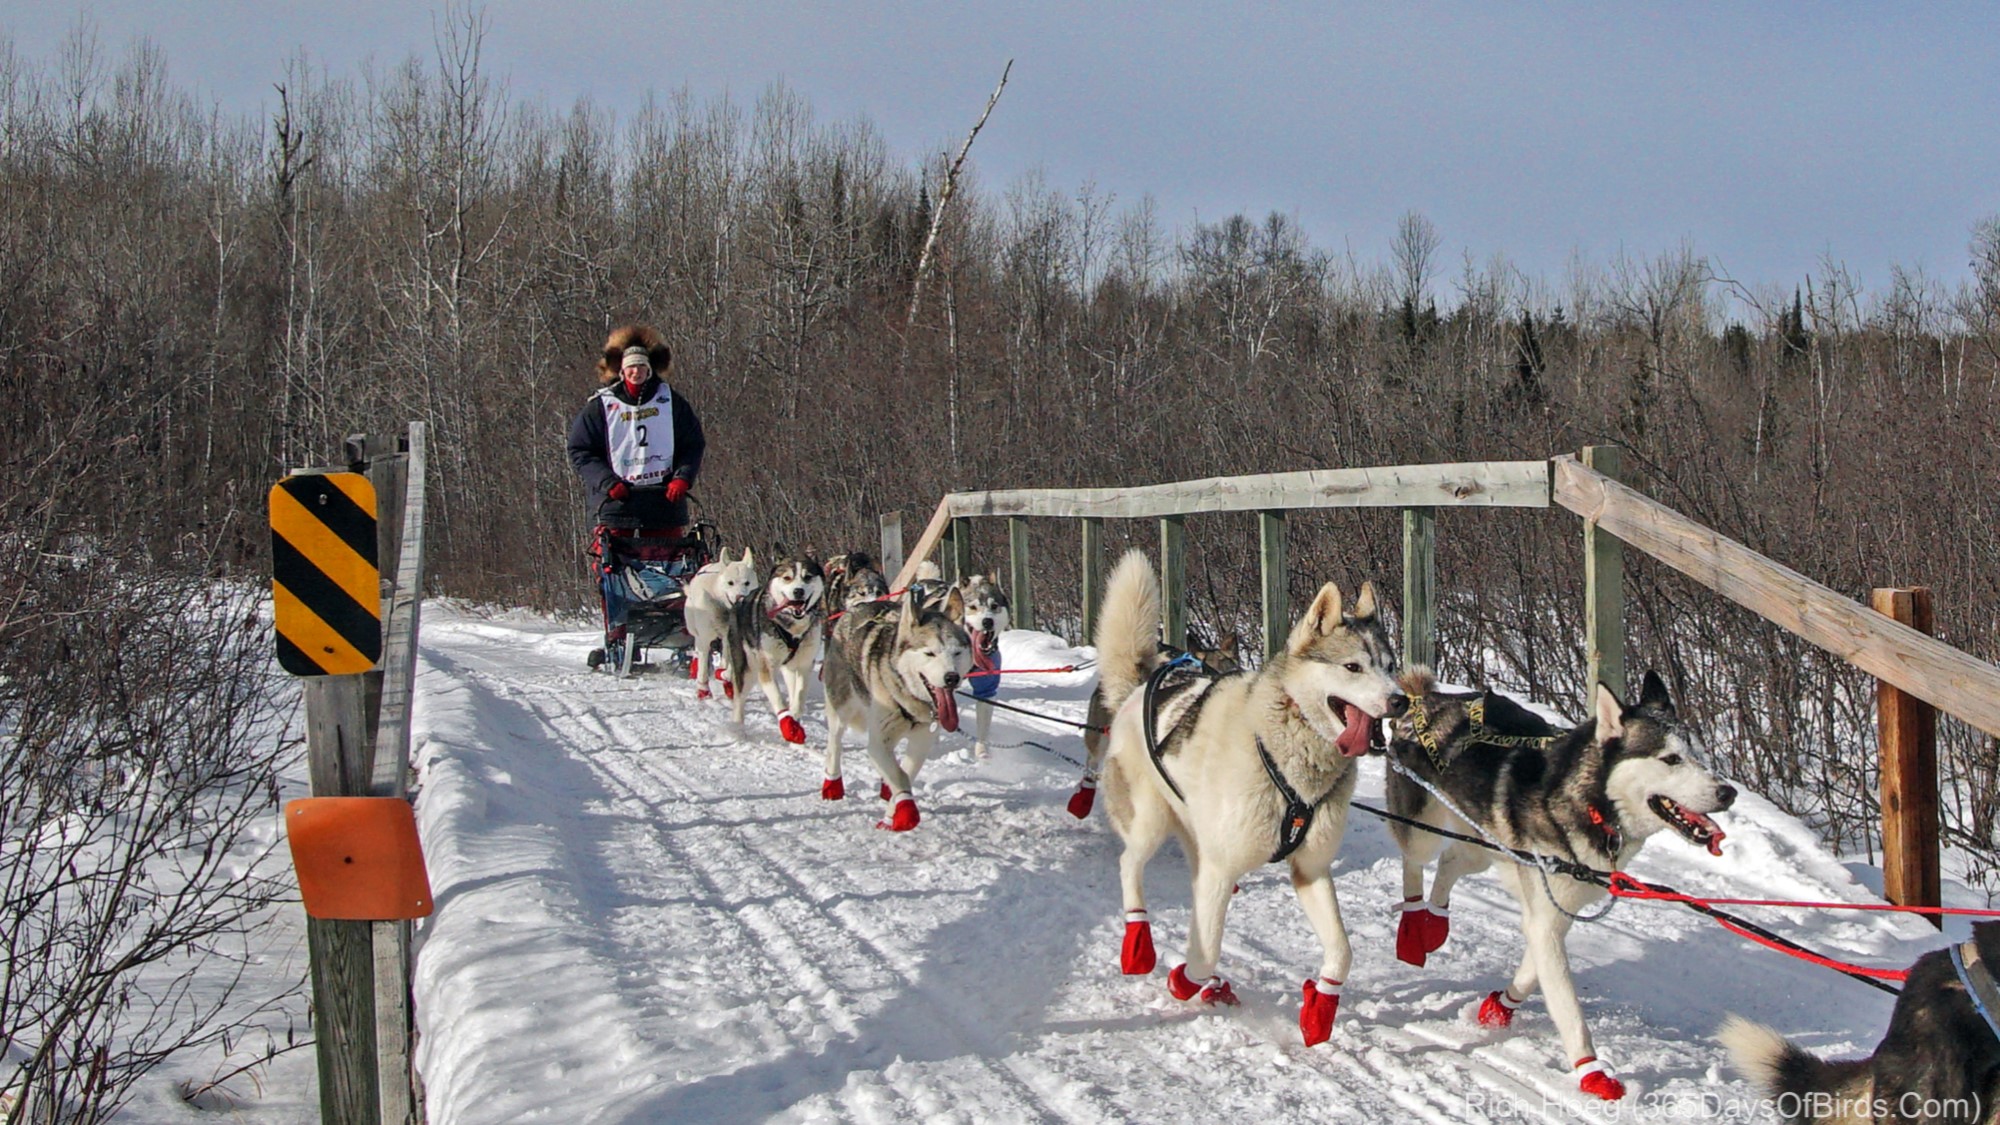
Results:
x,y
986,617
1243,769
891,670
776,636
1590,795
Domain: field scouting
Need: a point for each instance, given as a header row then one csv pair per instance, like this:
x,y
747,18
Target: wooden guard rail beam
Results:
x,y
1929,669
1515,484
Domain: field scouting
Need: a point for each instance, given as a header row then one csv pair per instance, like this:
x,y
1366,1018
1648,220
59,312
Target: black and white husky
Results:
x,y
987,615
1245,770
890,672
1939,1062
777,634
1590,795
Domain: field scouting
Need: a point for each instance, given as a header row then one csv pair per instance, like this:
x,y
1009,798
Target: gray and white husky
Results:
x,y
861,586
1590,795
712,595
1250,769
890,672
777,634
987,615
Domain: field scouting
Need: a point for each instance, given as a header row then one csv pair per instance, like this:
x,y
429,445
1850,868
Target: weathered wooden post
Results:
x,y
1907,729
1093,575
1173,580
892,543
1419,586
356,559
1603,589
1277,610
959,554
948,551
1018,592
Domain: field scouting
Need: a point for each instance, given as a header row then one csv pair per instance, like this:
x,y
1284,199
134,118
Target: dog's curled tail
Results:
x,y
1417,680
1128,630
1779,1067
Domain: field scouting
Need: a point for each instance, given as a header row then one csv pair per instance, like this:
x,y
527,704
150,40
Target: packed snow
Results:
x,y
645,914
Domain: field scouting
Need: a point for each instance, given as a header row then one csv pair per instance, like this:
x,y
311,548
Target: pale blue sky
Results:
x,y
1767,135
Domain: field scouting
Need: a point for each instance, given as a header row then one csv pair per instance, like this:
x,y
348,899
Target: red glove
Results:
x,y
621,491
677,489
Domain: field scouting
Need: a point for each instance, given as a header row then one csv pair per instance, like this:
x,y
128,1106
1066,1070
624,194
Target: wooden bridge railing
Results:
x,y
1901,656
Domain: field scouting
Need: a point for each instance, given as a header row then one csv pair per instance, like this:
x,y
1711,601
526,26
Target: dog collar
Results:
x,y
1978,982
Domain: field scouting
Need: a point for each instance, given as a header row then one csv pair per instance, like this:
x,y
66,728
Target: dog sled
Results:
x,y
642,585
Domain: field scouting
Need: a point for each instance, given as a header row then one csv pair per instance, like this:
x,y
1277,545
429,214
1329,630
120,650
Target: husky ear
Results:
x,y
1364,606
747,560
1229,645
906,624
1610,714
1653,693
954,606
1322,617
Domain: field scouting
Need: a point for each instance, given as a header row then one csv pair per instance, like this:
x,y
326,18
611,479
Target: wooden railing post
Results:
x,y
1419,586
1093,576
1277,610
1019,594
342,954
892,543
948,551
959,555
1603,590
1173,580
1907,729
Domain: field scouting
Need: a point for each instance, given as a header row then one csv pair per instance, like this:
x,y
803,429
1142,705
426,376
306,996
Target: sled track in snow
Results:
x,y
836,969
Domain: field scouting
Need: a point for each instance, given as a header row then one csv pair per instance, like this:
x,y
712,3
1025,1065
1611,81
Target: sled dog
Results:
x,y
1590,795
1939,1062
890,672
1220,659
841,571
1245,769
864,585
712,595
986,617
776,634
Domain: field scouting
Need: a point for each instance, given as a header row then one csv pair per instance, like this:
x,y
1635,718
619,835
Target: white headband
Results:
x,y
637,357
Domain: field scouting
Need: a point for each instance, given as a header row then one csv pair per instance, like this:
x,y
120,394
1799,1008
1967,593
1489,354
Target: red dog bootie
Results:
x,y
1081,801
1136,957
832,789
703,693
885,791
694,669
1498,1009
1213,991
790,728
904,818
1594,1078
1316,1012
1421,932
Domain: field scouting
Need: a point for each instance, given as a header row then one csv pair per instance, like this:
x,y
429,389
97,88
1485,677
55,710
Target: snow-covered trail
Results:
x,y
647,915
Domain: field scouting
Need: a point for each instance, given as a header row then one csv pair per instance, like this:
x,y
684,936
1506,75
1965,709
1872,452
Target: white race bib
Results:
x,y
640,438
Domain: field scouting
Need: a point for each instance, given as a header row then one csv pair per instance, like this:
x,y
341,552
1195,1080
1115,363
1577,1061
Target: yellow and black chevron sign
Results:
x,y
324,579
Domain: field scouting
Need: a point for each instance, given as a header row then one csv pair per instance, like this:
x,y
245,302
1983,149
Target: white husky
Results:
x,y
712,595
1245,769
987,615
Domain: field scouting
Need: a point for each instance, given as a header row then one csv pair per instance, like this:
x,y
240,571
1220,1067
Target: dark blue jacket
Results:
x,y
590,453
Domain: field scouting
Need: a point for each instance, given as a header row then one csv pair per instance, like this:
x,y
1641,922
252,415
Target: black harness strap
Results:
x,y
1978,982
1149,713
1298,816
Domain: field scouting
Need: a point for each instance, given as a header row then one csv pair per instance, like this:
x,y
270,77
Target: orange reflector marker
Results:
x,y
358,858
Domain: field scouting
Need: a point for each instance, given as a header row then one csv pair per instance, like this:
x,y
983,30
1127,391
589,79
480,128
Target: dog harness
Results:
x,y
1978,982
1298,816
1149,717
